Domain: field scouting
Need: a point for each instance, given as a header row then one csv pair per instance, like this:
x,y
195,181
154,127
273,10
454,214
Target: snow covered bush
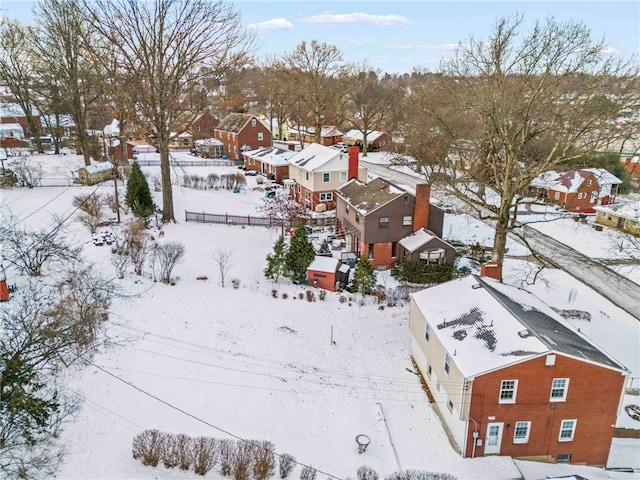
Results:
x,y
167,255
367,473
204,454
226,454
177,451
242,461
308,473
148,446
286,464
420,475
264,461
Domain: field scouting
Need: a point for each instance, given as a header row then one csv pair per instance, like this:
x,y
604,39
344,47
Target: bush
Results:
x,y
286,464
181,451
226,454
204,454
367,473
148,446
322,294
212,180
310,296
308,473
242,461
285,296
420,475
264,461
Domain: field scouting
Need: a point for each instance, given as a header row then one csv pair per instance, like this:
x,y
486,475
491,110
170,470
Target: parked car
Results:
x,y
447,207
340,146
251,173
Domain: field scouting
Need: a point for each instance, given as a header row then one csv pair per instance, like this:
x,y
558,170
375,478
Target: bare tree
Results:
x,y
264,460
278,92
506,110
135,242
167,255
371,99
91,210
33,250
167,48
66,44
223,258
18,71
316,69
284,212
28,173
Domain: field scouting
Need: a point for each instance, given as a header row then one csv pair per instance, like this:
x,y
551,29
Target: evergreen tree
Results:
x,y
364,278
276,260
300,254
138,194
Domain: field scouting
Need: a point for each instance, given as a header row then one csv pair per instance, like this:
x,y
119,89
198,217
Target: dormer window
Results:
x,y
253,122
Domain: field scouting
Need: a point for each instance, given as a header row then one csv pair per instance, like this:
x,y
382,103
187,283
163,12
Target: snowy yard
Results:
x,y
200,359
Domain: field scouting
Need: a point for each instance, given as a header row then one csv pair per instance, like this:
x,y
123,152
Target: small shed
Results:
x,y
425,247
322,273
95,173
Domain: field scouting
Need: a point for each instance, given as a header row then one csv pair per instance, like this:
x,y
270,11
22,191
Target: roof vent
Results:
x,y
476,286
524,333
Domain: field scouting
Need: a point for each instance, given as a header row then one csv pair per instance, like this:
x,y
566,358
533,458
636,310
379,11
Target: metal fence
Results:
x,y
226,219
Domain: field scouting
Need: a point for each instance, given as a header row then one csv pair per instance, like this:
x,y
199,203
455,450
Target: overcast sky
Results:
x,y
397,36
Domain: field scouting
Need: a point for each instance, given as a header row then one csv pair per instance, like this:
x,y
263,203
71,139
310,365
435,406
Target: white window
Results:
x,y
588,183
567,430
326,177
383,222
447,363
260,136
521,432
579,195
346,207
427,331
307,195
343,176
253,122
508,390
407,220
557,196
326,196
559,388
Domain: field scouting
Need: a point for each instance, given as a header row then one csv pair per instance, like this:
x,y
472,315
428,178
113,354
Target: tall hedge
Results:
x,y
138,194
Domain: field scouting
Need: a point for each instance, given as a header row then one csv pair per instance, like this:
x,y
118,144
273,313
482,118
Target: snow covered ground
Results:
x,y
202,359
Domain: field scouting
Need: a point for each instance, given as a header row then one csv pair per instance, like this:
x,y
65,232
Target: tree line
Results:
x,y
496,114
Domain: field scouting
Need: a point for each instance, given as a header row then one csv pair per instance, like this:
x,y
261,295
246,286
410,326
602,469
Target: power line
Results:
x,y
198,419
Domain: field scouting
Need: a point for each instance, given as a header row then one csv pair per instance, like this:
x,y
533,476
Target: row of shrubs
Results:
x,y
230,181
310,295
239,459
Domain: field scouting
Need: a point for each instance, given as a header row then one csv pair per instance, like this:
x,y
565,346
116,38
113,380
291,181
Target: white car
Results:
x,y
251,173
447,207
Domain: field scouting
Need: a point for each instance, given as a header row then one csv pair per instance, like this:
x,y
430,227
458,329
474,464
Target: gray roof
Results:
x,y
554,334
234,122
367,197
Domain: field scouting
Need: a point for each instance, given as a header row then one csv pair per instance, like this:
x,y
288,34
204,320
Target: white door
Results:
x,y
494,438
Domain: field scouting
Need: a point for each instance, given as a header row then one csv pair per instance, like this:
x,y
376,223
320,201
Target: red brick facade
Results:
x,y
248,133
592,399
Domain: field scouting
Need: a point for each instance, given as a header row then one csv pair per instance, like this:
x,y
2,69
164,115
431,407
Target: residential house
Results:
x,y
12,114
374,217
426,247
323,273
240,132
272,162
376,140
11,130
134,148
181,141
329,135
203,126
631,163
316,171
577,190
509,376
208,148
623,216
95,173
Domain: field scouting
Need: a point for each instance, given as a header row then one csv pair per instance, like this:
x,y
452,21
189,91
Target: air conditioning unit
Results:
x,y
321,207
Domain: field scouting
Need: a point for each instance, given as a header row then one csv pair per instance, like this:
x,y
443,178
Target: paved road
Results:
x,y
619,290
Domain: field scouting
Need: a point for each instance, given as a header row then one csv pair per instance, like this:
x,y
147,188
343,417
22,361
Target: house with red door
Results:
x,y
316,171
241,132
577,191
509,376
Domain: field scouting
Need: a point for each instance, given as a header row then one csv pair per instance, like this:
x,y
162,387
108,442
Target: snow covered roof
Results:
x,y
629,210
367,197
8,110
208,142
65,120
11,129
113,129
327,131
313,157
234,122
417,239
485,325
570,181
356,135
98,167
271,156
324,264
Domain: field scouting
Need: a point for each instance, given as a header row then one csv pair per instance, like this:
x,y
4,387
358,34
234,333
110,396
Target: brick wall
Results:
x,y
592,399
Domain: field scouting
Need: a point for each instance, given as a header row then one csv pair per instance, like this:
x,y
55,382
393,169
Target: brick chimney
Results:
x,y
421,208
354,155
491,269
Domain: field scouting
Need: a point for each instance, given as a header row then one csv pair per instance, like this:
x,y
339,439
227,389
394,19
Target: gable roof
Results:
x,y
324,264
314,157
570,181
367,197
234,122
419,238
628,210
327,131
356,135
271,155
485,325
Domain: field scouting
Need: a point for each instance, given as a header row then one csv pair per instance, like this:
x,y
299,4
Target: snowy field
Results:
x,y
202,359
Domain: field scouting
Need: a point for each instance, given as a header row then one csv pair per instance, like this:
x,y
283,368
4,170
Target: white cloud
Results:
x,y
609,50
361,18
273,24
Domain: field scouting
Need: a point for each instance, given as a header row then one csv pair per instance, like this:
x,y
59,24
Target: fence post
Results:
x,y
249,219
226,219
186,218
